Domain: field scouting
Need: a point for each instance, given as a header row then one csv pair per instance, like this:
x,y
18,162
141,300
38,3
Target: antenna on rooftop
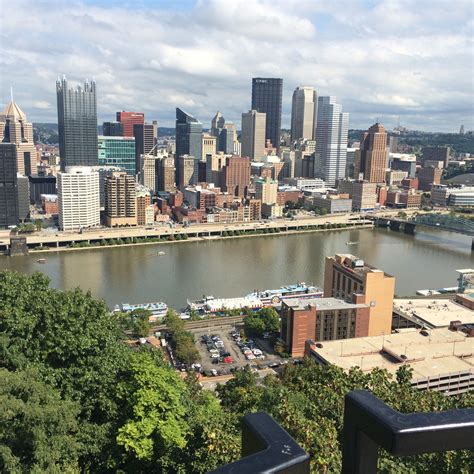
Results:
x,y
11,93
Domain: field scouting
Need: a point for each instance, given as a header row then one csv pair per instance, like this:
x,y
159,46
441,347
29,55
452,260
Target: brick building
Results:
x,y
236,175
427,177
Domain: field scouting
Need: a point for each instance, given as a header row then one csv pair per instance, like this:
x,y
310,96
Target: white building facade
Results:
x,y
304,108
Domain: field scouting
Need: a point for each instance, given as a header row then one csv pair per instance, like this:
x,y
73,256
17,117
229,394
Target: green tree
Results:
x,y
264,320
38,430
141,322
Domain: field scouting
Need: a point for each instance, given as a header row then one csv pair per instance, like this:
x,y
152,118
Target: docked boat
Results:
x,y
158,309
161,253
275,297
351,243
41,260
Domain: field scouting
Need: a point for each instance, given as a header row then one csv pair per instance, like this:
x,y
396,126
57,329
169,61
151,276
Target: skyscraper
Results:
x,y
120,200
77,124
9,211
226,138
217,124
128,120
266,98
188,171
188,138
146,137
14,128
304,109
253,134
112,129
117,151
331,141
373,154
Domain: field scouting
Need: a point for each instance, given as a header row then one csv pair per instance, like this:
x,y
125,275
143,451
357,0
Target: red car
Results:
x,y
228,360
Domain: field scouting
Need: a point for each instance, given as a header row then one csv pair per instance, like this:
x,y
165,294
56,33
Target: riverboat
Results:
x,y
275,297
158,309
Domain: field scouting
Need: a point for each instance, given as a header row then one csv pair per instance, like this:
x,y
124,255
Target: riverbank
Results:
x,y
152,241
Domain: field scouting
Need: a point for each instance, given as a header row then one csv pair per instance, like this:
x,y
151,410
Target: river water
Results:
x,y
234,267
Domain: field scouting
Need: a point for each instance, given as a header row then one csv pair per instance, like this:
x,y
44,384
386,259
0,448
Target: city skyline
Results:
x,y
404,71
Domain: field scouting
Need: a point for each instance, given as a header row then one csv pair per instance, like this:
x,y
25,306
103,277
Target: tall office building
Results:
x,y
165,179
214,165
188,171
266,98
373,157
217,124
117,151
78,198
331,141
227,136
304,109
9,211
120,200
128,120
146,137
188,139
253,134
208,146
77,124
14,128
266,190
149,171
112,129
236,175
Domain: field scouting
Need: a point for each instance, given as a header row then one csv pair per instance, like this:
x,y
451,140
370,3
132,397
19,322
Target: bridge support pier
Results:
x,y
409,228
394,225
472,245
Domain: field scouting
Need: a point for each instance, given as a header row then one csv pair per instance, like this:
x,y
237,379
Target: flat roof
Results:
x,y
440,352
321,304
436,313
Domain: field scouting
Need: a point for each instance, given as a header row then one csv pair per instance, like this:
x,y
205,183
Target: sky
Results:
x,y
395,61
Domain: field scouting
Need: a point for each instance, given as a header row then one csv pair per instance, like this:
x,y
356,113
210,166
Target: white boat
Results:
x,y
351,243
158,309
161,253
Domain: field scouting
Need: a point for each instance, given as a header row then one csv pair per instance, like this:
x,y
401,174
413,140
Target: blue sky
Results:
x,y
407,60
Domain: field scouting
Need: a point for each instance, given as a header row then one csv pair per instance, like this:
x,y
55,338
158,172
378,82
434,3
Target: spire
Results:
x,y
11,93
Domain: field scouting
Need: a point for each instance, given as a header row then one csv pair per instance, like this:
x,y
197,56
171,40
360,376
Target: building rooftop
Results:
x,y
321,304
440,351
434,313
356,265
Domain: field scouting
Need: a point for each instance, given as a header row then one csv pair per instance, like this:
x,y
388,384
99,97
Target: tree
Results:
x,y
76,345
38,430
265,320
141,322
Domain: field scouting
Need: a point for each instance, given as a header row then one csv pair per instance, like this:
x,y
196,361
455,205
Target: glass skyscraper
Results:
x,y
77,124
188,138
117,151
266,98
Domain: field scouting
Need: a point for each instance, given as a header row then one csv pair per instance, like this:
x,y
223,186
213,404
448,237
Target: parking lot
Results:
x,y
222,352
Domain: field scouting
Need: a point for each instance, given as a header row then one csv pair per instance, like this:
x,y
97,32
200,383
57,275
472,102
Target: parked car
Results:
x,y
214,372
228,360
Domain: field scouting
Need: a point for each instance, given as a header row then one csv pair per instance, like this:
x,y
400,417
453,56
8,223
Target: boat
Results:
x,y
161,253
351,243
41,260
158,309
275,297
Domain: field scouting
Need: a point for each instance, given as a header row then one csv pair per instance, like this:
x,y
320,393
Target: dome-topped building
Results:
x,y
15,128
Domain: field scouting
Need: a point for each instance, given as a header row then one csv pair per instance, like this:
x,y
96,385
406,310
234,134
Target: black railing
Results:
x,y
368,424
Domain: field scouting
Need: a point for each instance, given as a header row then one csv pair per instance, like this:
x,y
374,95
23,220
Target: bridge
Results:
x,y
437,221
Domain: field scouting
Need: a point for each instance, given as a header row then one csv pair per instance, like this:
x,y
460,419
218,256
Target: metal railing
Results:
x,y
368,425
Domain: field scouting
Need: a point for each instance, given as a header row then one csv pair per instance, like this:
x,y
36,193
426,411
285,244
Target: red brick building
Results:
x,y
236,175
427,177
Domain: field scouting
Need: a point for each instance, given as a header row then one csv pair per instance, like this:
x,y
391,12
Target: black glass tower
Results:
x,y
266,97
188,138
77,124
9,207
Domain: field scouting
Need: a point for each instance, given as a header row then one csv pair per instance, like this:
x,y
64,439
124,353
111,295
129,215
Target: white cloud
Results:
x,y
384,59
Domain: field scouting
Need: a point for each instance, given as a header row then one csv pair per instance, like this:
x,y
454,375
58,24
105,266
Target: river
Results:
x,y
234,267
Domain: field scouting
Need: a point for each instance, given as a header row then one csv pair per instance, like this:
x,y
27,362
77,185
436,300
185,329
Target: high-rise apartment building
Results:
x,y
188,171
373,156
188,138
120,200
253,134
78,198
117,151
266,98
331,141
143,204
128,120
353,280
112,129
304,109
9,212
77,124
15,128
266,190
236,175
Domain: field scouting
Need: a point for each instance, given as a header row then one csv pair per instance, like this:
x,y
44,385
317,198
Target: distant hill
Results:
x,y
48,132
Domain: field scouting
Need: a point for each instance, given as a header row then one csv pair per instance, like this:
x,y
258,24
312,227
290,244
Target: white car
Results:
x,y
257,352
250,356
214,372
214,356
